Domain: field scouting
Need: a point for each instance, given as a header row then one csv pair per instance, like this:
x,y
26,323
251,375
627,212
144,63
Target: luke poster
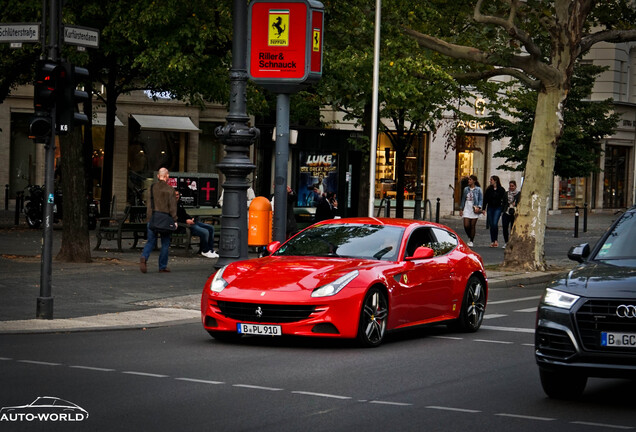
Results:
x,y
318,176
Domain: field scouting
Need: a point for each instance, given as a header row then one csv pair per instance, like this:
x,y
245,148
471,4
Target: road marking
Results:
x,y
145,374
492,316
390,403
532,309
199,381
325,395
449,337
453,409
93,368
509,329
603,425
39,362
514,300
254,387
5,358
525,417
494,341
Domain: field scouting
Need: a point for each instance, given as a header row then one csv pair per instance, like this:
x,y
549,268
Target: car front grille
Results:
x,y
597,316
554,343
255,312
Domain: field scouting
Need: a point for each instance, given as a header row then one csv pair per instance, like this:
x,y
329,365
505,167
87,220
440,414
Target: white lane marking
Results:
x,y
200,381
39,362
449,337
5,358
98,369
514,300
254,387
390,403
494,341
603,425
528,345
532,309
453,409
492,316
526,417
509,329
325,395
145,374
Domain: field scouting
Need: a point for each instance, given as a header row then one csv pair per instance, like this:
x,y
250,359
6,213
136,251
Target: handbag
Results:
x,y
160,222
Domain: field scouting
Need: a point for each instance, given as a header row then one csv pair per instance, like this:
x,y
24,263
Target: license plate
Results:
x,y
618,339
259,329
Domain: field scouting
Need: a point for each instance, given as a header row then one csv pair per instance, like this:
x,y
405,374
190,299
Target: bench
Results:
x,y
131,225
183,237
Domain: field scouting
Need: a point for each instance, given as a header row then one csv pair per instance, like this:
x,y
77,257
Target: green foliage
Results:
x,y
585,124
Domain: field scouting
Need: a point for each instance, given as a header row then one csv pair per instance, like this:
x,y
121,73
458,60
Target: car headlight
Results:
x,y
335,286
559,299
218,283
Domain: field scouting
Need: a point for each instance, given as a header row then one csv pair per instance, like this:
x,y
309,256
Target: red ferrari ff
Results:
x,y
350,278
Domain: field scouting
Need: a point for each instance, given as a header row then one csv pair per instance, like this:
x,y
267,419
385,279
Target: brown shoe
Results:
x,y
166,270
142,265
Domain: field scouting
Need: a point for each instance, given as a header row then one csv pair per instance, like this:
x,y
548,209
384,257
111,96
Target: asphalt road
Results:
x,y
430,379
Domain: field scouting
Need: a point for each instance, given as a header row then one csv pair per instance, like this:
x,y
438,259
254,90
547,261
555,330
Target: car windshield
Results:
x,y
379,242
620,244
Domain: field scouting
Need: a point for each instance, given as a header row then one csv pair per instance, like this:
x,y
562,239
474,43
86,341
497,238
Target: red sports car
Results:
x,y
350,278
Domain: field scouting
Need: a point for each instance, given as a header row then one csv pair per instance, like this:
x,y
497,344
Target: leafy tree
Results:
x,y
585,123
537,42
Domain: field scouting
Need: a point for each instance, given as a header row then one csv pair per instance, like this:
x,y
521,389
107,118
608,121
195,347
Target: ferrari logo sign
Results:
x,y
316,40
278,28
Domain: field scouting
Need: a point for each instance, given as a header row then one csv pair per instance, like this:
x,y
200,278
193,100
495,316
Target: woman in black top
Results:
x,y
494,201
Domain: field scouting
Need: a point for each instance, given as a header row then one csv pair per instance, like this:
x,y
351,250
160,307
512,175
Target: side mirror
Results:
x,y
579,253
422,252
273,247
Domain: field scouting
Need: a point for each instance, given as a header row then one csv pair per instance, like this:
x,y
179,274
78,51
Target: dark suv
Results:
x,y
586,321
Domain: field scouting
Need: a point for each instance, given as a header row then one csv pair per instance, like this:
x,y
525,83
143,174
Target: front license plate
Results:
x,y
618,339
259,329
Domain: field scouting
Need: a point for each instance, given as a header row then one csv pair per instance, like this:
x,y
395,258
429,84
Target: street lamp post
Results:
x,y
237,137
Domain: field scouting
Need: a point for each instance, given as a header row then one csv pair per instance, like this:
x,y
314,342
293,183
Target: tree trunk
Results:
x,y
526,246
75,235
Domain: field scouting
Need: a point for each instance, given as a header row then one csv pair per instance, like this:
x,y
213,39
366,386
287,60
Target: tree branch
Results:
x,y
516,73
615,36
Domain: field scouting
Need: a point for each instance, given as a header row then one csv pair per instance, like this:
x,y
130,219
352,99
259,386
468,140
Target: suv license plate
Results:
x,y
618,339
259,329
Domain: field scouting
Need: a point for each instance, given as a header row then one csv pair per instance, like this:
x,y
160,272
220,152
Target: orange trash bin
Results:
x,y
259,222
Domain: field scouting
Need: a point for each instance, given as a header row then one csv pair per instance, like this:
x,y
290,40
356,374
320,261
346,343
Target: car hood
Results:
x,y
293,273
597,279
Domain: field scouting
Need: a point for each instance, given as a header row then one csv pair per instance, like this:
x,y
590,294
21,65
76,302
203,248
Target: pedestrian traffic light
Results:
x,y
66,108
45,87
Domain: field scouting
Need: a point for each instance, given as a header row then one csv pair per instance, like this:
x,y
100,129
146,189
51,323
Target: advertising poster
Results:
x,y
208,191
318,176
189,191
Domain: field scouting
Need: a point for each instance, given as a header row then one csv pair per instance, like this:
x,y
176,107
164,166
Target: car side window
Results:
x,y
419,237
444,242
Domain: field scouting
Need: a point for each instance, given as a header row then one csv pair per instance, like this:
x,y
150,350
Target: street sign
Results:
x,y
285,42
20,32
81,36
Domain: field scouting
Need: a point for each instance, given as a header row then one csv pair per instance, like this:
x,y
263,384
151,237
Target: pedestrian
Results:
x,y
162,199
494,203
204,231
510,213
471,205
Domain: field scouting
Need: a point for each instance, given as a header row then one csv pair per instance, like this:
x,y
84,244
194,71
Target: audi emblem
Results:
x,y
626,311
259,312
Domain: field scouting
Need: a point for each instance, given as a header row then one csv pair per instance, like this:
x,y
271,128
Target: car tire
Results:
x,y
562,385
225,336
473,307
373,318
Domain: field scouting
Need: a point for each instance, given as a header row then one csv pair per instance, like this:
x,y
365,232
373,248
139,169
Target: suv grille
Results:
x,y
554,343
268,312
596,316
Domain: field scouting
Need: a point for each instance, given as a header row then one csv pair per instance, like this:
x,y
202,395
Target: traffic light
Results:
x,y
45,93
66,115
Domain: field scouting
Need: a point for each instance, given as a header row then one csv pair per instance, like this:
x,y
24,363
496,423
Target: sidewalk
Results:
x,y
111,292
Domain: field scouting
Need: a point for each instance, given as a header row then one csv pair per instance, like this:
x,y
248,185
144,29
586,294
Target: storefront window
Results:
x,y
471,159
615,172
386,170
22,165
572,192
210,148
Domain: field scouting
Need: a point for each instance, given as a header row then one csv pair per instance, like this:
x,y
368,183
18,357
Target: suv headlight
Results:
x,y
218,283
559,299
334,287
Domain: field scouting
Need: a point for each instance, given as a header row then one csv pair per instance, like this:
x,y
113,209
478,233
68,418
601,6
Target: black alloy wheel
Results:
x,y
373,318
473,307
